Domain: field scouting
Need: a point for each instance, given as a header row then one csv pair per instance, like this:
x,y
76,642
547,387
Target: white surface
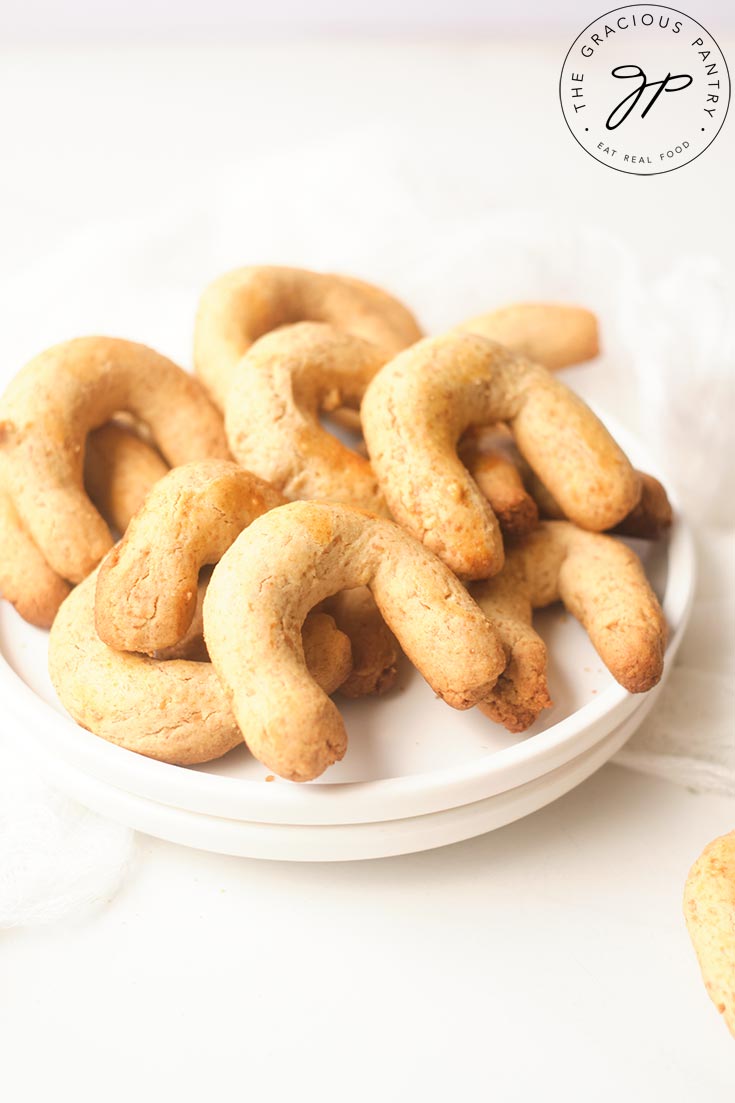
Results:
x,y
547,960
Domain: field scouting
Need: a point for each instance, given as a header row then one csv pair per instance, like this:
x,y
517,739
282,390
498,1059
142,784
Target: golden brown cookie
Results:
x,y
147,587
241,306
191,645
272,413
51,406
709,910
500,482
649,518
364,648
652,516
119,471
553,334
602,583
151,585
375,650
26,580
419,405
285,563
173,710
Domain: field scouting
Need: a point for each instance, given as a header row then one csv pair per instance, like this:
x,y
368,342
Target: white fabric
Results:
x,y
666,372
689,737
56,857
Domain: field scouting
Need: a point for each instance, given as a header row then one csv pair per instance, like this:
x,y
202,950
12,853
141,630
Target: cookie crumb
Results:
x,y
271,777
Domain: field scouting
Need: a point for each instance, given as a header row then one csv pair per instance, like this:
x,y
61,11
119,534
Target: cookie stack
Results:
x,y
264,565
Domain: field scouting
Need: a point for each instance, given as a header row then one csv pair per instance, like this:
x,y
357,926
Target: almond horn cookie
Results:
x,y
284,564
241,306
500,482
652,516
273,407
516,495
553,334
649,518
51,406
419,405
149,589
119,471
26,580
172,710
192,645
496,465
709,910
375,650
147,585
602,583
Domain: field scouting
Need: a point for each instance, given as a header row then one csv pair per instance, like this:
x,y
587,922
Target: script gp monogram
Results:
x,y
626,72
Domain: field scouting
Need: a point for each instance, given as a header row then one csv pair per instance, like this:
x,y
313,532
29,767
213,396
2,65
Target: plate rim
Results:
x,y
379,799
349,841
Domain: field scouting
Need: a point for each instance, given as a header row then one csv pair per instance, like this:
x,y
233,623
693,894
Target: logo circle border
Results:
x,y
674,168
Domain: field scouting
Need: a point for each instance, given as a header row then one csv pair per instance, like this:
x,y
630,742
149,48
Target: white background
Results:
x,y
193,20
548,959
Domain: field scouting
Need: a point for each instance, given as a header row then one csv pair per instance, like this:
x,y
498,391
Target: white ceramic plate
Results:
x,y
338,842
409,754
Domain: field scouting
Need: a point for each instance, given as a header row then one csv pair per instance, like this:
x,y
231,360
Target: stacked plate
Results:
x,y
417,774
